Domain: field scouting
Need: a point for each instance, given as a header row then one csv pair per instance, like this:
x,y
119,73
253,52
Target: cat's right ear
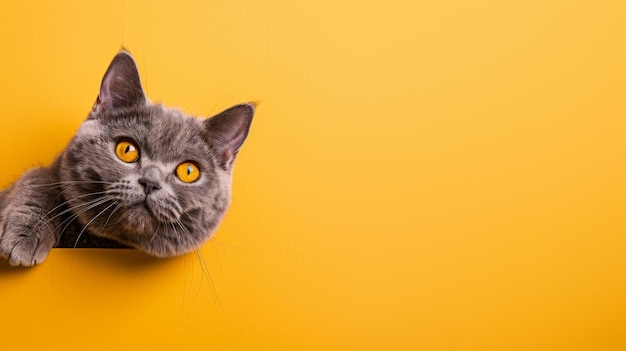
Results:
x,y
120,87
227,131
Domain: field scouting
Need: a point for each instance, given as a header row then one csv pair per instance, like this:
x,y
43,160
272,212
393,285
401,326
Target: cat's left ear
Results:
x,y
227,131
121,86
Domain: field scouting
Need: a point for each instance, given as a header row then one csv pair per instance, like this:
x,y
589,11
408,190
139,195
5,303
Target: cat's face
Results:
x,y
148,176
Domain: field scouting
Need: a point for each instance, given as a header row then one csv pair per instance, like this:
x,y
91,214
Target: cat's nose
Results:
x,y
149,185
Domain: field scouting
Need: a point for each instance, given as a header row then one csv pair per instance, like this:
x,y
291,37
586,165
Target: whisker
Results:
x,y
219,261
91,221
43,219
218,242
76,215
203,266
155,233
70,182
63,204
112,212
207,274
176,234
90,205
183,227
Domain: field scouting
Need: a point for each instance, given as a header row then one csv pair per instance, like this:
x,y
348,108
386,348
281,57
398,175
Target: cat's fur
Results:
x,y
88,197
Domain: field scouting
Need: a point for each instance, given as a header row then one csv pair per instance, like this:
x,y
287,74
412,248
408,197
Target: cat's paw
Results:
x,y
23,244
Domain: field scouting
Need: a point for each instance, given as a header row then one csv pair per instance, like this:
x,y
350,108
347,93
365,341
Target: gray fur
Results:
x,y
88,197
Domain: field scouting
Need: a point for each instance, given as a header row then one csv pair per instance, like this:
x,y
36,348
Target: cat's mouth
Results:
x,y
157,210
144,212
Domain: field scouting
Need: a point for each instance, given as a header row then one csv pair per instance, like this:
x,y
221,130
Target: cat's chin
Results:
x,y
139,221
142,229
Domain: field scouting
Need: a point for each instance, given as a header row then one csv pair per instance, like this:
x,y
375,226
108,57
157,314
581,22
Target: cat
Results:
x,y
136,174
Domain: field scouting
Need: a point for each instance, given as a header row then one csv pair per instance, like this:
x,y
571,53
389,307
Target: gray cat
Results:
x,y
135,174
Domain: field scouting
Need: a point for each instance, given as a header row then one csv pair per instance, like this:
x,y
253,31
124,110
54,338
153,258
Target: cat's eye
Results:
x,y
187,172
127,151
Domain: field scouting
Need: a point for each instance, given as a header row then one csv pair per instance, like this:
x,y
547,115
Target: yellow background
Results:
x,y
421,174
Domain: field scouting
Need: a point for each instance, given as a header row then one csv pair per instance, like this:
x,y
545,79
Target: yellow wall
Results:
x,y
420,174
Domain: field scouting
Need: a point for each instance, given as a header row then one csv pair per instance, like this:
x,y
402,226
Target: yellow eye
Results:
x,y
187,172
127,151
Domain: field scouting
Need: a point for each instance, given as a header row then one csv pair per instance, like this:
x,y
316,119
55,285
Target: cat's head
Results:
x,y
148,176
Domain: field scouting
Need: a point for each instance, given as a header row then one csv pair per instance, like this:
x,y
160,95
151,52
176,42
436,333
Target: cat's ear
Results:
x,y
227,131
121,86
